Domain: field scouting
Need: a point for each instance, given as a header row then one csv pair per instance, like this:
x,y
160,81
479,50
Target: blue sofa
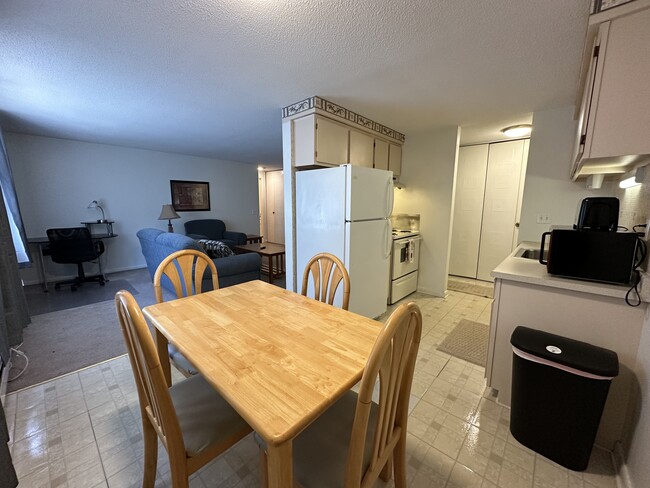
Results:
x,y
157,245
215,230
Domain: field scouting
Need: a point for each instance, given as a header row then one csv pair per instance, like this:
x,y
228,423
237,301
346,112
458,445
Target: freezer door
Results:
x,y
320,215
367,259
369,192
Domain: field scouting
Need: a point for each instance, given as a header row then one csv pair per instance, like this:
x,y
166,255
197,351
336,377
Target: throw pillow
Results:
x,y
215,249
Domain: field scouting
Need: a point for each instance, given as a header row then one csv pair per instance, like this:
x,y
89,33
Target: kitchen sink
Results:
x,y
529,253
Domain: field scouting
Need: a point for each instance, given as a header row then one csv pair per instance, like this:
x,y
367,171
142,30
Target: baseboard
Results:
x,y
623,479
427,291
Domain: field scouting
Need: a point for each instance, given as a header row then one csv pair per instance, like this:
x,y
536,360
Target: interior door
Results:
x,y
500,205
468,210
275,206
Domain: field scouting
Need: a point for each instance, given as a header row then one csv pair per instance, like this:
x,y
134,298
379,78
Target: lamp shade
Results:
x,y
168,213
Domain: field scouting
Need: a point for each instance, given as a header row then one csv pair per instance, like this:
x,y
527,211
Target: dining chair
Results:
x,y
193,421
327,272
185,270
357,440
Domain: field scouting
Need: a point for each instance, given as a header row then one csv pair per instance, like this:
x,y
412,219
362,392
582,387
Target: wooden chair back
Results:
x,y
155,401
327,272
392,360
185,270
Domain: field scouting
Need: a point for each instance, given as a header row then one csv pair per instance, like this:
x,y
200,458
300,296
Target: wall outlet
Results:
x,y
543,219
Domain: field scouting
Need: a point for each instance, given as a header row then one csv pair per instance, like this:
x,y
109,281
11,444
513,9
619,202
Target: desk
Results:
x,y
273,252
43,244
279,358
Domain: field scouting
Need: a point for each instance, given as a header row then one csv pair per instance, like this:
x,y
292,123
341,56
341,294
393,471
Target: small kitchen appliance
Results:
x,y
608,257
599,214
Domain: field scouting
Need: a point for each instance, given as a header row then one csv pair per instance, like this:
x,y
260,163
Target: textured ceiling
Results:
x,y
209,77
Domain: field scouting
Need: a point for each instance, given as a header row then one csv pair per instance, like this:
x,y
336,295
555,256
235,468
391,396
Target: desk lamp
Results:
x,y
94,204
168,213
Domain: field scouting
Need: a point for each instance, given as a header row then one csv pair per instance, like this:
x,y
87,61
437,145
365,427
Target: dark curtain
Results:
x,y
13,307
19,236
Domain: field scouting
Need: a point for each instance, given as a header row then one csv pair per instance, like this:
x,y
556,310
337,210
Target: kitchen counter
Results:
x,y
531,271
596,313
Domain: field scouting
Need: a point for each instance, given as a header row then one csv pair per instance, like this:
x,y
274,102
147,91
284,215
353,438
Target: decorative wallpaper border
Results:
x,y
343,113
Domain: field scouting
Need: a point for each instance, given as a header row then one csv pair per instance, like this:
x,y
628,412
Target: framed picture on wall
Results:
x,y
190,195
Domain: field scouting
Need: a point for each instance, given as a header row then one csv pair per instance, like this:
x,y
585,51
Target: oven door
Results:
x,y
406,255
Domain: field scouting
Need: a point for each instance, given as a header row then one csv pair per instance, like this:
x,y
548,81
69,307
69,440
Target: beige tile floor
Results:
x,y
83,429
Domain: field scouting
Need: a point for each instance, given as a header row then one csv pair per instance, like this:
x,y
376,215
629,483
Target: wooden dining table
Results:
x,y
280,359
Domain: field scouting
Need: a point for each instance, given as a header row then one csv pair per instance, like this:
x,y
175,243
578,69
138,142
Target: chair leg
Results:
x,y
150,454
399,460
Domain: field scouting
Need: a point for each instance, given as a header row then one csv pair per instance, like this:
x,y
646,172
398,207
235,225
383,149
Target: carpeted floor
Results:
x,y
39,302
468,341
81,331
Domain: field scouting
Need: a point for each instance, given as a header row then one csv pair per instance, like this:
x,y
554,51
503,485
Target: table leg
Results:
x,y
41,267
270,269
163,356
280,469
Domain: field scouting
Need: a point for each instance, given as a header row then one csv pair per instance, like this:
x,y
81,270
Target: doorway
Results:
x,y
487,206
272,202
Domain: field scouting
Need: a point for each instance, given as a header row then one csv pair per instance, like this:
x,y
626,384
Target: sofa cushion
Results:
x,y
215,249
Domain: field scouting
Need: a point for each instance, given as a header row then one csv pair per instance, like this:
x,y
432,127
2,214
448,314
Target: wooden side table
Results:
x,y
252,238
274,254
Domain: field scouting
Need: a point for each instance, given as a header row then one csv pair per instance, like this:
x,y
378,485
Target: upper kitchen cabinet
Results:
x,y
395,159
326,134
319,140
361,148
381,154
614,120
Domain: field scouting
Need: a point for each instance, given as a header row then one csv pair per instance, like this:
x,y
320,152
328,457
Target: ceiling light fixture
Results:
x,y
517,130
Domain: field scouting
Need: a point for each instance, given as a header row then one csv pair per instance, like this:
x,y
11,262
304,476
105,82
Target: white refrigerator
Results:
x,y
345,211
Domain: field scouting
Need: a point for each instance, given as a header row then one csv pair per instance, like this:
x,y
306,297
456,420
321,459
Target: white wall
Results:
x,y
638,454
548,188
56,179
428,169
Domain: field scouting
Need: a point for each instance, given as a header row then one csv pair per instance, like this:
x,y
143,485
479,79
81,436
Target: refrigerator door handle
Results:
x,y
390,197
389,239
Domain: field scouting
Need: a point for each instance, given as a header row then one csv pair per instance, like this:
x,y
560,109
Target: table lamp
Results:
x,y
94,204
168,213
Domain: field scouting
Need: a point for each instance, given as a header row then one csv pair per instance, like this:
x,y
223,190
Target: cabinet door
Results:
x,y
615,111
361,148
621,121
331,142
468,210
395,159
381,154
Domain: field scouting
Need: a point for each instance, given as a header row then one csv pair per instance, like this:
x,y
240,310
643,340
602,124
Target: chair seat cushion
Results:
x,y
320,451
180,361
204,416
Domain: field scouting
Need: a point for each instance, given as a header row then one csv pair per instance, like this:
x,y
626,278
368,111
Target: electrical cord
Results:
x,y
20,353
641,252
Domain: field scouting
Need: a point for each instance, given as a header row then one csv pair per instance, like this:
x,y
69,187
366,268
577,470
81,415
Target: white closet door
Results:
x,y
468,210
500,205
275,206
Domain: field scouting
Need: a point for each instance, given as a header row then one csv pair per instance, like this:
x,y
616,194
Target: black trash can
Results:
x,y
559,388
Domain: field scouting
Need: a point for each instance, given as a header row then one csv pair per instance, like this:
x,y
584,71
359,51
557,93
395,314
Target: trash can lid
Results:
x,y
567,352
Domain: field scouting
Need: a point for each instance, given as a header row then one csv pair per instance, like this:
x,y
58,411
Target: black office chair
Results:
x,y
74,245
